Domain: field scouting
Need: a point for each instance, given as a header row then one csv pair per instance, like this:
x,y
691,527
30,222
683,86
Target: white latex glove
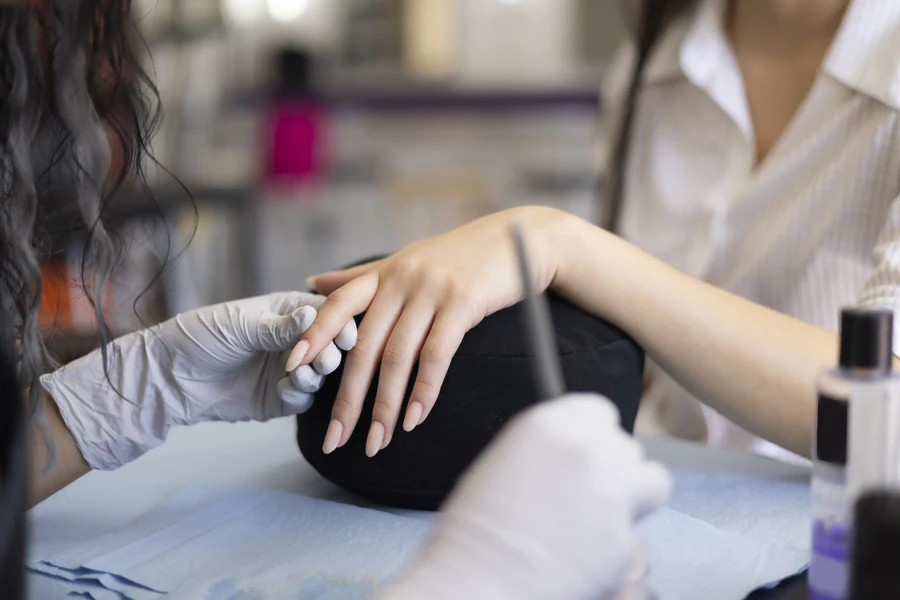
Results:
x,y
218,363
548,511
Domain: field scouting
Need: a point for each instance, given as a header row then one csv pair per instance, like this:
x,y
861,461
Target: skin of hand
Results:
x,y
420,304
46,478
752,364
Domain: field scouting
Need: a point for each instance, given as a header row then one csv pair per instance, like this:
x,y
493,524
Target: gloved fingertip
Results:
x,y
347,337
328,360
306,379
305,317
653,489
296,401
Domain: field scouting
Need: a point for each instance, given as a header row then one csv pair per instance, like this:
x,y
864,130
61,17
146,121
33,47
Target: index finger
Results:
x,y
327,283
335,314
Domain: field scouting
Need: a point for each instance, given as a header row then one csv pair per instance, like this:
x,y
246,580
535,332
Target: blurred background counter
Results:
x,y
311,133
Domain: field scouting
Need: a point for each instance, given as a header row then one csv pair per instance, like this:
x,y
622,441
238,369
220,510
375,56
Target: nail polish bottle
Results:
x,y
865,357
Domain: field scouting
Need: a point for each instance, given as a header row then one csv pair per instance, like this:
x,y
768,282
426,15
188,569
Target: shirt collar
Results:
x,y
696,47
865,54
691,46
706,58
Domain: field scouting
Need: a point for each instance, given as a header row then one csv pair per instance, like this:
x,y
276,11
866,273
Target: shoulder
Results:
x,y
865,54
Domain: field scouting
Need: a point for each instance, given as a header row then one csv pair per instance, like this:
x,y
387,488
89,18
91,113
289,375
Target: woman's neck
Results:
x,y
787,26
779,46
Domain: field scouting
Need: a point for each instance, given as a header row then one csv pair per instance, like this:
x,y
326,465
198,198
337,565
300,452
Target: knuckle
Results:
x,y
435,279
382,409
405,272
426,390
470,309
394,355
343,406
314,332
432,355
456,292
336,304
361,351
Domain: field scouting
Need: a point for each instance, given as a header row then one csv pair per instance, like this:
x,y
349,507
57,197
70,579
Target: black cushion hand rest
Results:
x,y
489,380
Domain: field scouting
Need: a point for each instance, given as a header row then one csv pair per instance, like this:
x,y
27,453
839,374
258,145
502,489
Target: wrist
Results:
x,y
54,456
550,231
606,275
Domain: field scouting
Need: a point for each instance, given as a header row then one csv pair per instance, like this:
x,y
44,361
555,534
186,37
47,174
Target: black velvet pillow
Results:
x,y
489,381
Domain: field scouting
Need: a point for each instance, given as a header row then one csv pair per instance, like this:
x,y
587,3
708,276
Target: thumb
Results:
x,y
276,333
329,282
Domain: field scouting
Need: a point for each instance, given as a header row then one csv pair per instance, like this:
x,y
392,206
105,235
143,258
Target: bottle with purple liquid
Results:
x,y
865,356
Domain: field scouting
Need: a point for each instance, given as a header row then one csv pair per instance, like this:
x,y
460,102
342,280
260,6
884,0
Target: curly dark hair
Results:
x,y
77,111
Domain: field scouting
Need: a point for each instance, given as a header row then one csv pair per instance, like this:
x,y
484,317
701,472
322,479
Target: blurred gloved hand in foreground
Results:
x,y
219,363
548,511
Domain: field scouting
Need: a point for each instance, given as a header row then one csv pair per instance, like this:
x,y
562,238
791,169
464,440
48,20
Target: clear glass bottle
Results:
x,y
828,571
866,356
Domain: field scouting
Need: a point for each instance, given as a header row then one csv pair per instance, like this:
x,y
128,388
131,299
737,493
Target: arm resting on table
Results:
x,y
754,365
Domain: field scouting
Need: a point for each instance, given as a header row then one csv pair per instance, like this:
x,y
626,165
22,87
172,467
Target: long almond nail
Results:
x,y
311,283
413,415
375,439
425,415
333,436
297,355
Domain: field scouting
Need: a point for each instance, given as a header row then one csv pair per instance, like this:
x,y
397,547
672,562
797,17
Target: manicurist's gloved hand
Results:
x,y
548,511
218,363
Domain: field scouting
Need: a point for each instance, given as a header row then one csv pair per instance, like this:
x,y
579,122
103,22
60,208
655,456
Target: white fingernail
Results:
x,y
311,283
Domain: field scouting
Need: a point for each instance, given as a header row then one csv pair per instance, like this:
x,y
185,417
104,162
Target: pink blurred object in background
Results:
x,y
296,137
296,142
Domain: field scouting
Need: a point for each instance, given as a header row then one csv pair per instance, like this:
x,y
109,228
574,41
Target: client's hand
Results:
x,y
547,512
420,303
223,362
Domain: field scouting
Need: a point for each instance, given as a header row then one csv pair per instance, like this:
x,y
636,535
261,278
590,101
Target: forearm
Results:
x,y
47,478
752,364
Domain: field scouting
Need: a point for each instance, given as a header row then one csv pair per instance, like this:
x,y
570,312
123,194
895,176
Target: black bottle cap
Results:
x,y
875,570
295,72
866,339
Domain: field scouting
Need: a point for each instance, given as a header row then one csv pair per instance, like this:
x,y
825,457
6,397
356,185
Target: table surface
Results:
x,y
258,455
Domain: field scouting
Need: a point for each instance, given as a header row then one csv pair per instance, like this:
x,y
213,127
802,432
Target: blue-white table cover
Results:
x,y
233,511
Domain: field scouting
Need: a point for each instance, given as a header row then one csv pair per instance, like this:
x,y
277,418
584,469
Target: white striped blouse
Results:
x,y
812,229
